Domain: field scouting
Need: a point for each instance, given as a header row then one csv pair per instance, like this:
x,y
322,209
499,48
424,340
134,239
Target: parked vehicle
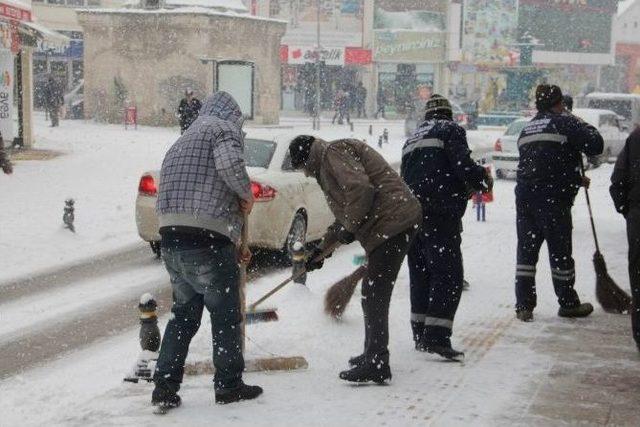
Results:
x,y
496,119
289,208
74,102
416,116
625,105
506,156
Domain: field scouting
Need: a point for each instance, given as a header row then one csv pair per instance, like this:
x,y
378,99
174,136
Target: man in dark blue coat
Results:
x,y
549,177
437,167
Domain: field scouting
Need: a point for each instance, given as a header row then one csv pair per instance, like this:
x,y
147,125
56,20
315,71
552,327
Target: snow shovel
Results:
x,y
610,296
252,315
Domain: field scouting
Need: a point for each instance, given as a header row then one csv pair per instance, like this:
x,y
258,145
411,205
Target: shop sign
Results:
x,y
6,94
305,54
409,46
13,12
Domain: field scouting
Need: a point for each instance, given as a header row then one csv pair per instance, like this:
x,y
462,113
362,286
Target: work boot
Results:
x,y
417,328
164,396
357,360
524,314
378,372
440,346
242,392
582,310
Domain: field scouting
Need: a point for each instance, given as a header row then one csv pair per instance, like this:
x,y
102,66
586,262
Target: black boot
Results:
x,y
242,392
441,347
582,310
165,396
524,314
378,372
357,360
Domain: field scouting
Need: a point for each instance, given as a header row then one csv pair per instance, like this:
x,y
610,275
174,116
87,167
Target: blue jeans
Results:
x,y
202,277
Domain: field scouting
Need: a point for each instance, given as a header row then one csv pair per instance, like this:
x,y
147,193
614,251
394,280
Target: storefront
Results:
x,y
19,36
340,69
409,48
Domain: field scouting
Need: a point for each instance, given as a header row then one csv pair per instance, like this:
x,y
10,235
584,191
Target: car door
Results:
x,y
606,130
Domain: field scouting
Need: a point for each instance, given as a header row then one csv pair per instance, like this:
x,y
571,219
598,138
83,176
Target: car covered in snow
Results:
x,y
289,208
506,157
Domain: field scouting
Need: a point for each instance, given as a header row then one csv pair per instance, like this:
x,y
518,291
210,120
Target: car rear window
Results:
x,y
621,107
258,153
516,127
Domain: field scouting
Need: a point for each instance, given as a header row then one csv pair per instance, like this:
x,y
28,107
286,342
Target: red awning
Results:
x,y
15,10
357,55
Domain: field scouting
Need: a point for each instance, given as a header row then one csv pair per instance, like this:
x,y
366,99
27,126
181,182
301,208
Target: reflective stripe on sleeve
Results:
x,y
542,137
423,143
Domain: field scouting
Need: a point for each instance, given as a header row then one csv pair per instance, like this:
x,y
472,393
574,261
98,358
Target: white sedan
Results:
x,y
506,155
289,208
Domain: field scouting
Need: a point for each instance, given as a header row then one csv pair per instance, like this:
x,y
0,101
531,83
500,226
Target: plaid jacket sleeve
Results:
x,y
229,160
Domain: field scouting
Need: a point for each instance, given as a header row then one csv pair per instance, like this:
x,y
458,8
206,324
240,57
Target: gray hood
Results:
x,y
222,106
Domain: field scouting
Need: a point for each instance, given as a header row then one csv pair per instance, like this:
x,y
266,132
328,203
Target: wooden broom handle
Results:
x,y
326,252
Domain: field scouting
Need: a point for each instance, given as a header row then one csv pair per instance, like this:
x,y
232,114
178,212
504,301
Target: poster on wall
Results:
x,y
6,95
489,32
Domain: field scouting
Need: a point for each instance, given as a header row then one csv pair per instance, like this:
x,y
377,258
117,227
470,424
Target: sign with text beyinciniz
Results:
x,y
6,94
408,46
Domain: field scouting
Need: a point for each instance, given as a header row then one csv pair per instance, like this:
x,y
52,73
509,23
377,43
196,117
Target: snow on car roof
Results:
x,y
612,95
591,115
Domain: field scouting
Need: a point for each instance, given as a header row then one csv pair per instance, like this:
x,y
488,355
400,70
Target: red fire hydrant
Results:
x,y
130,117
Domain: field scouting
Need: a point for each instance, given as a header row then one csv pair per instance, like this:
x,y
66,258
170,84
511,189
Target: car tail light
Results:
x,y
262,192
498,145
147,186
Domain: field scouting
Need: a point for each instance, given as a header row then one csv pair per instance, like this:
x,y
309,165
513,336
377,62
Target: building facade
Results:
x,y
627,37
148,57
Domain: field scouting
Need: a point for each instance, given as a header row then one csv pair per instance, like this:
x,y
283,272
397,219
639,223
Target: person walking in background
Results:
x,y
372,205
5,163
188,110
549,177
438,168
341,104
361,100
53,99
204,193
381,100
625,192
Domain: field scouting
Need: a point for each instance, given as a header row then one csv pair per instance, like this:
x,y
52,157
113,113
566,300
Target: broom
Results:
x,y
340,293
610,296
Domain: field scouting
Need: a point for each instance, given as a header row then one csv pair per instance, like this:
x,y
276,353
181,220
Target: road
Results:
x,y
43,319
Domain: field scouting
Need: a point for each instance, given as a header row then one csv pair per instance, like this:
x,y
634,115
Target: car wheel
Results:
x,y
155,248
297,233
500,174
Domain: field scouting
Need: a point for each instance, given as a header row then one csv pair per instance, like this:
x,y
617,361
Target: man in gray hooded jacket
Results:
x,y
204,192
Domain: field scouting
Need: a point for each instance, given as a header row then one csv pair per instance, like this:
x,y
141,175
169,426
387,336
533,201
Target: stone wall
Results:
x,y
148,58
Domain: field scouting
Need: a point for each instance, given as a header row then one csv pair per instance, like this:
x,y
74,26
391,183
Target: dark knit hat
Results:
x,y
299,150
547,96
438,104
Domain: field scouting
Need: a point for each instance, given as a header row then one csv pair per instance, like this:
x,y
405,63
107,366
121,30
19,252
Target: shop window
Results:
x,y
75,2
55,1
94,3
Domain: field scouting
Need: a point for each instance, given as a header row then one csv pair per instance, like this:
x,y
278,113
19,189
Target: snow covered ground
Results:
x,y
84,387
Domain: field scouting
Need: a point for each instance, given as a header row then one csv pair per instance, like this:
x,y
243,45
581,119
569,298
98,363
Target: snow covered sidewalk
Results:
x,y
549,372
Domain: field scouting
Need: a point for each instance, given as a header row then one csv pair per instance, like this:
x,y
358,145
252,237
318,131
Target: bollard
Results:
x,y
380,141
149,331
149,341
69,215
298,259
370,129
385,135
351,126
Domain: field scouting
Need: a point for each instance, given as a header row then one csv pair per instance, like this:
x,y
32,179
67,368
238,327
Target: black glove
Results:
x,y
312,263
488,181
346,237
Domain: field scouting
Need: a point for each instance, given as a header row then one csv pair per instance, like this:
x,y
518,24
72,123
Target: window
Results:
x,y
55,1
75,2
95,3
258,153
